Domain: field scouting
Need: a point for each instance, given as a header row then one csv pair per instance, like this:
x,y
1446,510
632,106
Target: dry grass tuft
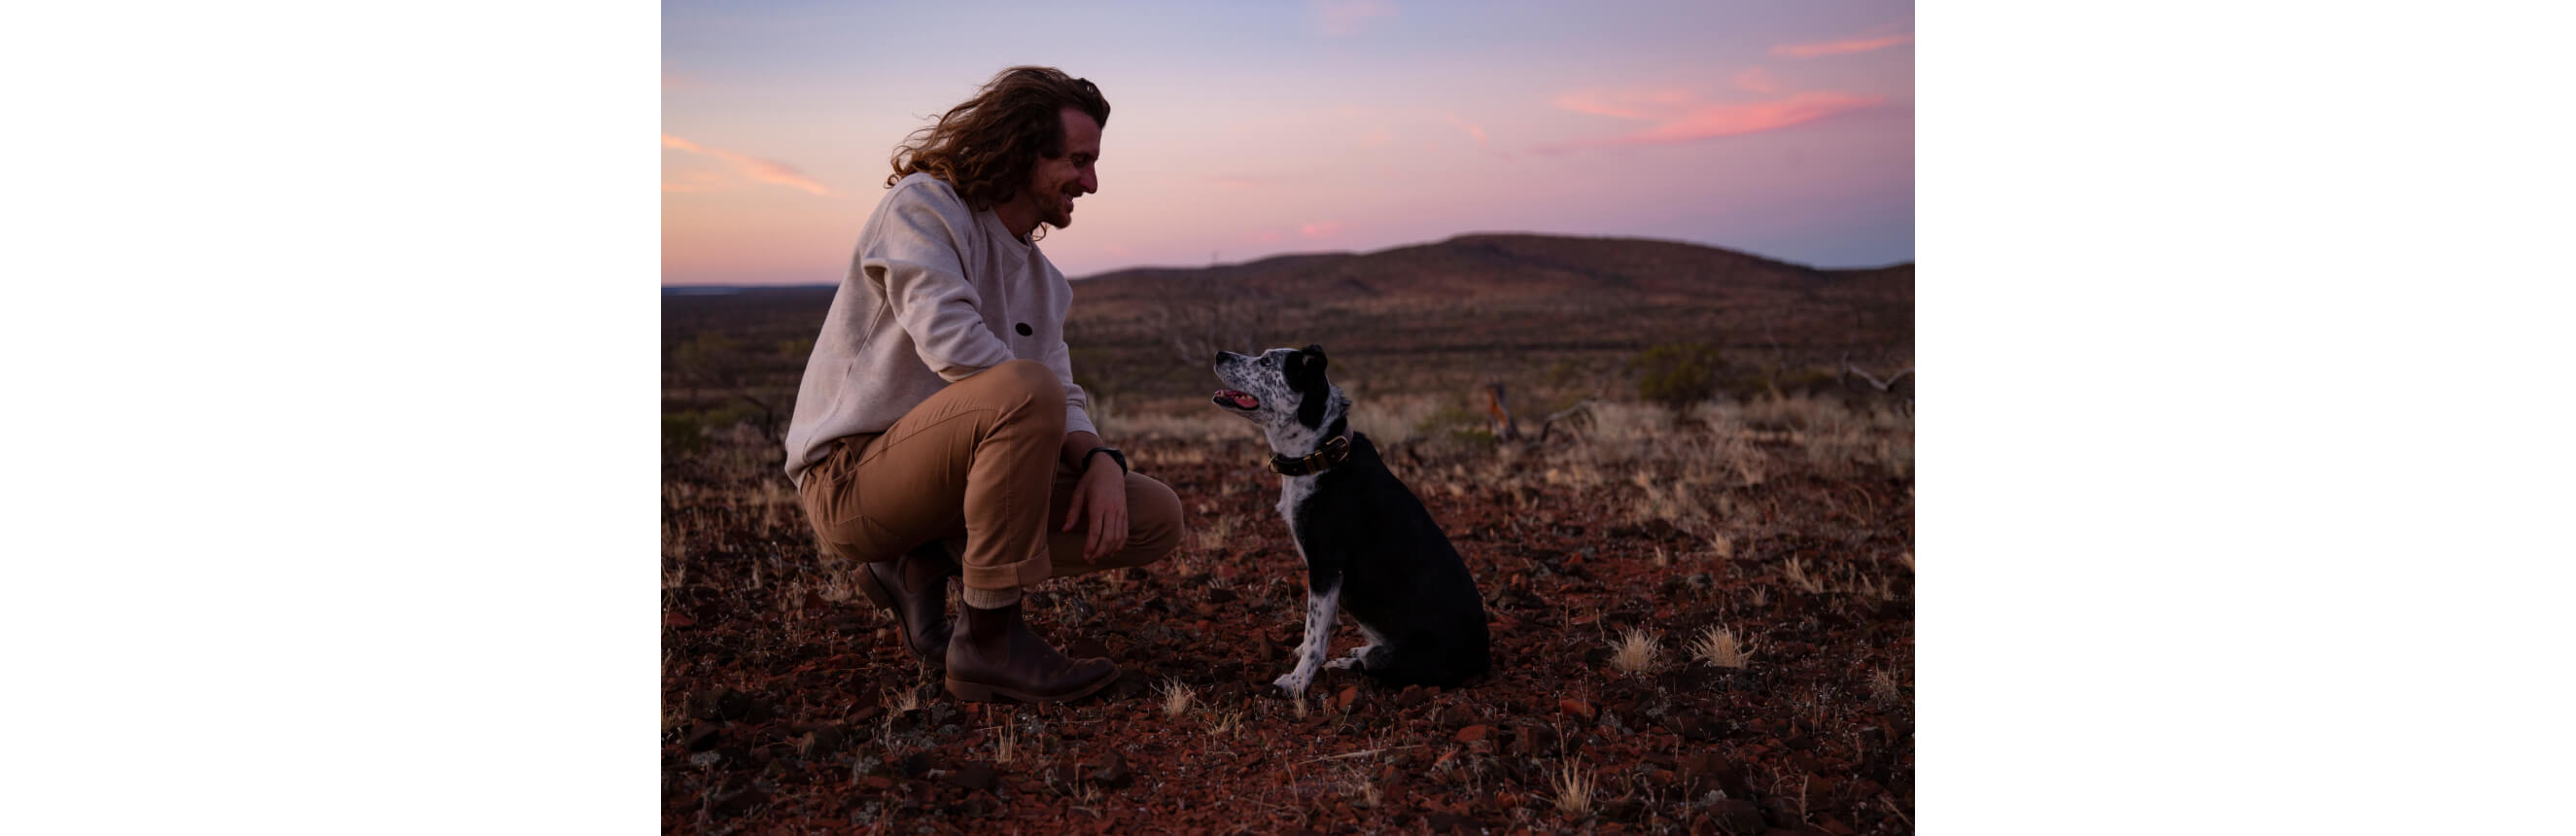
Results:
x,y
1391,420
1635,652
1885,687
1005,744
1718,646
1196,425
904,700
1573,785
1176,697
1797,576
1224,722
1214,534
1362,791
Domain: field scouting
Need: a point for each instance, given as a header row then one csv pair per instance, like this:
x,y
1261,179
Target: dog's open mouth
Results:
x,y
1232,399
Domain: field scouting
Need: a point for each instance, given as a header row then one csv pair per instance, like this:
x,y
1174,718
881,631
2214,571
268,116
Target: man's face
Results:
x,y
1055,182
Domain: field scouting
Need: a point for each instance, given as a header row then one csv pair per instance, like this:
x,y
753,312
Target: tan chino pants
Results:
x,y
980,461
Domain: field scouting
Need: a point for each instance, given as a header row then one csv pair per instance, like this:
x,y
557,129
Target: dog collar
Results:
x,y
1332,453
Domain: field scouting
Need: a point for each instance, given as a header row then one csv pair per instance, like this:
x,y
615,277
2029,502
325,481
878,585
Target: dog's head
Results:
x,y
1283,390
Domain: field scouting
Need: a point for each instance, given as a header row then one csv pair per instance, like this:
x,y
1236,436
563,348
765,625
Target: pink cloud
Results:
x,y
1686,120
1811,50
1756,80
1477,133
1627,104
1346,17
1263,238
1319,229
766,171
1709,121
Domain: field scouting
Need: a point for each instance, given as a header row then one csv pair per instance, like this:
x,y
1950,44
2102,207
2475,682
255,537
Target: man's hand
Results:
x,y
1100,508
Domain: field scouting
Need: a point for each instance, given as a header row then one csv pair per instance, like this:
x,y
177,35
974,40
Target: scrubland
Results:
x,y
1703,622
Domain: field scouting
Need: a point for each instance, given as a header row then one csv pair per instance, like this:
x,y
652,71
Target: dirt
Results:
x,y
791,708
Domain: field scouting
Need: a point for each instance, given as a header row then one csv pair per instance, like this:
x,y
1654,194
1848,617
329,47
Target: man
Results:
x,y
939,402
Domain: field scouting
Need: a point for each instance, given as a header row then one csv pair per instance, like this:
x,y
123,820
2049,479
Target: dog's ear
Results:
x,y
1305,369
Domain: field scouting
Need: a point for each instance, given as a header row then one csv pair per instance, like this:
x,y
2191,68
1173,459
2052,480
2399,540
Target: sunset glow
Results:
x,y
1236,133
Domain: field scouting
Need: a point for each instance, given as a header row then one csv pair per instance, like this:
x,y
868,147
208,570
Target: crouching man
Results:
x,y
939,404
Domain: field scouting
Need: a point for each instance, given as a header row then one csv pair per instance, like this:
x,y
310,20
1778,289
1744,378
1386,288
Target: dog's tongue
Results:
x,y
1241,400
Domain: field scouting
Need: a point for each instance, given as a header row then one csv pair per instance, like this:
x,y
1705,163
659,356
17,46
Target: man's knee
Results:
x,y
1154,512
1027,377
1024,393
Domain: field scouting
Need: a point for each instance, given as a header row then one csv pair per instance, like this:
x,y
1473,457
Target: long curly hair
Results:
x,y
985,147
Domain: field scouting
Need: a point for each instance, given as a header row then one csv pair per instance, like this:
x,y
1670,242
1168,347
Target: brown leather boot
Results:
x,y
914,588
994,654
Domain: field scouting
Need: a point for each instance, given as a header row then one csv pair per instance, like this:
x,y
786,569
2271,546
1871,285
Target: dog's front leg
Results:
x,y
1321,608
1357,659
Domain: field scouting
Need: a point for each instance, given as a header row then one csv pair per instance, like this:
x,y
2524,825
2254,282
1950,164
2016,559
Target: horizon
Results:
x,y
1356,253
1306,253
1331,126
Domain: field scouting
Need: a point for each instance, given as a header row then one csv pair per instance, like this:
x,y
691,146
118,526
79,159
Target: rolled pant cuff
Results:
x,y
1009,576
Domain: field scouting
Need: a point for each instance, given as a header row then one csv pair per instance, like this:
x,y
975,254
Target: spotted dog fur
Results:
x,y
1369,545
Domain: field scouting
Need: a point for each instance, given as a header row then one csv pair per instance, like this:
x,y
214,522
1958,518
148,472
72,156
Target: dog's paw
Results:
x,y
1356,660
1290,684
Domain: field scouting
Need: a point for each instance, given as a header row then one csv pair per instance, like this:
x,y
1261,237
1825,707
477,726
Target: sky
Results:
x,y
1243,130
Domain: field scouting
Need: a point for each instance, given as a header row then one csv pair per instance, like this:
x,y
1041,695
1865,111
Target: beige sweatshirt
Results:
x,y
935,293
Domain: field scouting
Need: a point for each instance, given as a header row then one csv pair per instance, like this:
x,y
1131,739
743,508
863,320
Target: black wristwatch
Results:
x,y
1114,455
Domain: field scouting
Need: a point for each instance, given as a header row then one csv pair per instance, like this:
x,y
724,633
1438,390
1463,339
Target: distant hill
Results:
x,y
1554,312
1501,305
1487,264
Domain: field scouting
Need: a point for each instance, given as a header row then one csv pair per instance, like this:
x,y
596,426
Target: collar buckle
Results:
x,y
1334,451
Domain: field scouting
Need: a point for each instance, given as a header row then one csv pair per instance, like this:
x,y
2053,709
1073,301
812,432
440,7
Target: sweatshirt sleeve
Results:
x,y
917,258
1077,403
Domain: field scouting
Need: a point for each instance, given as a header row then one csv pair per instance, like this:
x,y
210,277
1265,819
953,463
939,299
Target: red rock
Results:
x,y
740,801
1113,773
1575,707
973,776
1474,733
703,737
1737,817
1342,701
876,782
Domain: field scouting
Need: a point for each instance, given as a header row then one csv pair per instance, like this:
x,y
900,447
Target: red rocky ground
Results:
x,y
789,707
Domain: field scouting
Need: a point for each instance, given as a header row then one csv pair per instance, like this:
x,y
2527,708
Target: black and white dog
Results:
x,y
1369,545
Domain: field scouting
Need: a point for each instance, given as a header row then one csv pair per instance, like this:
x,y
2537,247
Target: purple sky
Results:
x,y
1245,130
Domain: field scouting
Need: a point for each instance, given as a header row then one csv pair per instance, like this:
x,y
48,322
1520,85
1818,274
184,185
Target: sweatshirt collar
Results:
x,y
1014,248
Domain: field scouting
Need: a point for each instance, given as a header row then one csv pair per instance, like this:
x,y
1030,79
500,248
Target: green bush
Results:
x,y
686,431
683,432
1456,424
1677,375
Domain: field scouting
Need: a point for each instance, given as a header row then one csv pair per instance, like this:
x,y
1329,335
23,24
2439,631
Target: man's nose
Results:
x,y
1090,182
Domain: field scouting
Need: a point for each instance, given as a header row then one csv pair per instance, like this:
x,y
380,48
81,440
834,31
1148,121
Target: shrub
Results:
x,y
1677,375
